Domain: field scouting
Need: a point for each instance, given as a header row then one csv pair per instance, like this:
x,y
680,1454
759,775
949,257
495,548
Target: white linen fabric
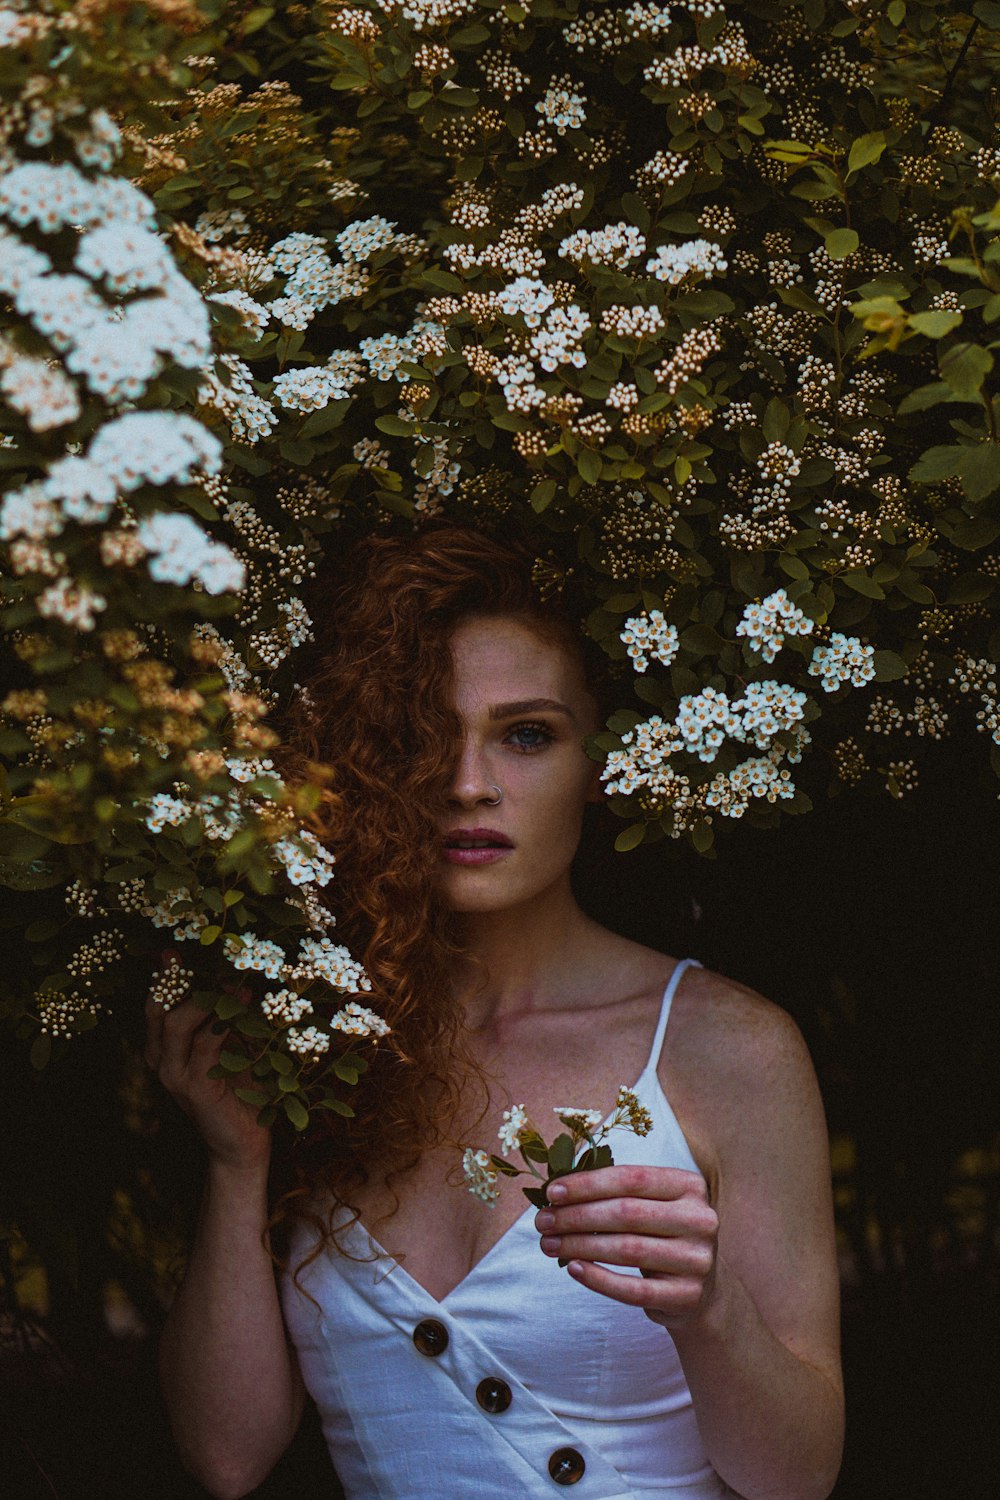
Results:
x,y
585,1373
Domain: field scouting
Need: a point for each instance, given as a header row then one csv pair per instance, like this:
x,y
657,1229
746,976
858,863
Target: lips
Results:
x,y
475,846
476,838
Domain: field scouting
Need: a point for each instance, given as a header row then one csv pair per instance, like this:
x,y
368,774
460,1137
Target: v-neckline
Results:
x,y
397,1265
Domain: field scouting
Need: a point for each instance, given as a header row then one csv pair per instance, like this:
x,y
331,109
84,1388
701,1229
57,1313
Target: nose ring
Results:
x,y
495,801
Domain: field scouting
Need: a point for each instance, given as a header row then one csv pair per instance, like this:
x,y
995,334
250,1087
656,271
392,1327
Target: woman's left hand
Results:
x,y
657,1219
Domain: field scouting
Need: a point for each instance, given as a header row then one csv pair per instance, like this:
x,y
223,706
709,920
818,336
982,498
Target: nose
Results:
x,y
472,781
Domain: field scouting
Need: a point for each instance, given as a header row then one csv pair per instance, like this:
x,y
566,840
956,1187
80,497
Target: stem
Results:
x,y
938,110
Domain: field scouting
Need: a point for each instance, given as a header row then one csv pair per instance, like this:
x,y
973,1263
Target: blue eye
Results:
x,y
537,736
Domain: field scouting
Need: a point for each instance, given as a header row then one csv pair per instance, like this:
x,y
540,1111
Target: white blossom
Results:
x,y
648,635
845,659
672,263
480,1176
767,622
515,1120
180,552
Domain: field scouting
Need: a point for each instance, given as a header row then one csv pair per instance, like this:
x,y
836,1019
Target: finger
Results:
x,y
627,1181
653,1216
669,1298
670,1257
180,1027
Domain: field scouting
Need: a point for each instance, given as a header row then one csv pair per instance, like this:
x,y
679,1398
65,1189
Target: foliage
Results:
x,y
704,295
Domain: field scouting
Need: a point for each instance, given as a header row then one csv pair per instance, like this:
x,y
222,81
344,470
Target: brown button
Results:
x,y
566,1466
493,1395
431,1337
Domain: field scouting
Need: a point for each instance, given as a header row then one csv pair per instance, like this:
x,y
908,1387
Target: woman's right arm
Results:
x,y
230,1380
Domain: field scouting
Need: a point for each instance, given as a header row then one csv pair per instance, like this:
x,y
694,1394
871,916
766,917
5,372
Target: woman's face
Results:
x,y
525,708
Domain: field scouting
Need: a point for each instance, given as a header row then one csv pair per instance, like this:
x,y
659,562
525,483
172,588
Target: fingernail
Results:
x,y
551,1243
556,1193
545,1220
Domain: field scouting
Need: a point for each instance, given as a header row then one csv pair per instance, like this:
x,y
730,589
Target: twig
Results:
x,y
938,109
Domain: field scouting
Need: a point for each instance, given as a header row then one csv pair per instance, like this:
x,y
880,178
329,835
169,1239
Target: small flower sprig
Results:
x,y
581,1148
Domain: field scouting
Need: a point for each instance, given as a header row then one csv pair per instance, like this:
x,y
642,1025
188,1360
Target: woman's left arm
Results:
x,y
747,1284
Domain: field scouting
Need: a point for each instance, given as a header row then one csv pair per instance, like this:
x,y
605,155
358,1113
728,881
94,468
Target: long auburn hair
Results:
x,y
378,714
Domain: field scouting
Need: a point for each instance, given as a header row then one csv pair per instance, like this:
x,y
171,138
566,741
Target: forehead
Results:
x,y
500,652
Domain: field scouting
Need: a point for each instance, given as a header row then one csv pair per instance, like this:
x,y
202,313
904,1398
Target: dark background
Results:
x,y
873,922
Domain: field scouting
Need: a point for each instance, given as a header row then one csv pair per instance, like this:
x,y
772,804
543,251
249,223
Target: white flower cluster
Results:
x,y
117,348
72,603
767,622
312,387
40,390
310,1043
312,280
248,951
704,720
423,14
648,635
515,1122
320,958
580,1122
249,415
614,245
672,263
180,552
480,1176
767,708
254,314
561,107
845,659
154,447
357,1020
285,1007
763,776
312,866
557,342
163,810
632,322
529,297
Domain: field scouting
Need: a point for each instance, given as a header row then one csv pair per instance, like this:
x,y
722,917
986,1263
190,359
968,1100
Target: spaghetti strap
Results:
x,y
680,968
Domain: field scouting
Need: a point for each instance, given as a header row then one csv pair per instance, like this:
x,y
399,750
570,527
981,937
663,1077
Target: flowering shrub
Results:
x,y
702,294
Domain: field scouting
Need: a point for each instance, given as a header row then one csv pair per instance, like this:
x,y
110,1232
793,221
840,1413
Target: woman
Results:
x,y
689,1344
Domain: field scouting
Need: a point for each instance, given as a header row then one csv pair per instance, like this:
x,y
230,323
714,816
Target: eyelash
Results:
x,y
531,724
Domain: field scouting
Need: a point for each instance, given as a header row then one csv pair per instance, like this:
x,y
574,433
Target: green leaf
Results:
x,y
964,367
937,463
630,838
866,150
888,666
702,836
337,1106
560,1155
536,1197
936,323
252,1096
861,583
296,1111
233,1062
841,243
979,470
589,465
209,934
41,1051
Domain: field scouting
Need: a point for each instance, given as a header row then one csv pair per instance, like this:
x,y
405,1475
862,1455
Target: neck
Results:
x,y
533,957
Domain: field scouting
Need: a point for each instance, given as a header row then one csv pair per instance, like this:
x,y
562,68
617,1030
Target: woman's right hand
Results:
x,y
181,1048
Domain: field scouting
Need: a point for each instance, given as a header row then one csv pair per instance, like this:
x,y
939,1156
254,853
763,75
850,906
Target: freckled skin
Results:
x,y
546,782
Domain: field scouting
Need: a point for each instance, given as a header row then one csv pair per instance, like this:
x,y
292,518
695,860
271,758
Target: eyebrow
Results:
x,y
530,706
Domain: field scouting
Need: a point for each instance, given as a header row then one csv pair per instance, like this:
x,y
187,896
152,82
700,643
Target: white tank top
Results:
x,y
519,1383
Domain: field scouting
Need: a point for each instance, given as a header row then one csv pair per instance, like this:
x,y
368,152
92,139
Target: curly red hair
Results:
x,y
378,714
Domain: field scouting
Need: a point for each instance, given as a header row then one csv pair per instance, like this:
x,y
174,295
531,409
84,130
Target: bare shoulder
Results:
x,y
736,1069
729,1028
